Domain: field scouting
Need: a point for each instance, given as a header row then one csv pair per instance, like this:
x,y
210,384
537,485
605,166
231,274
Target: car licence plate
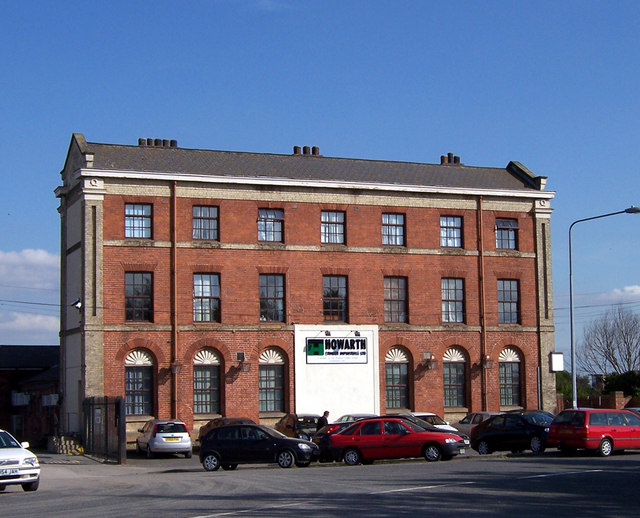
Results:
x,y
461,451
12,471
172,438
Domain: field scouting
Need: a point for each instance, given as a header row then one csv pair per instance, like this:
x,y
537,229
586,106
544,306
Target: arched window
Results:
x,y
138,390
454,377
206,382
397,378
271,381
509,360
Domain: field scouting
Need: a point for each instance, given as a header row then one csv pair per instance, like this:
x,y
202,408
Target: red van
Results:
x,y
601,429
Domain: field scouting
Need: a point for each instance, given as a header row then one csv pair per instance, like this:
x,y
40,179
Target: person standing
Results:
x,y
323,420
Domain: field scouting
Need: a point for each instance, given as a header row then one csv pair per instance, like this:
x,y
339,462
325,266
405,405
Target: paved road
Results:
x,y
497,485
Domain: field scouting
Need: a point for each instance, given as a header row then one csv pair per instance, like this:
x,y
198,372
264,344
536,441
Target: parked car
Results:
x,y
221,421
432,428
301,426
601,430
228,446
17,464
433,420
350,418
633,409
321,437
468,422
164,436
376,438
512,431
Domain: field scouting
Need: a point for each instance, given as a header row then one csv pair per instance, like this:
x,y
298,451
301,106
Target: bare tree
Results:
x,y
611,343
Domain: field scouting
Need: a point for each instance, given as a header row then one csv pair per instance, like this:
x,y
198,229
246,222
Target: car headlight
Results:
x,y
31,461
450,440
304,447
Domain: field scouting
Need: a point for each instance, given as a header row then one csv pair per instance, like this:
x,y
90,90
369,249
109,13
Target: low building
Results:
x,y
199,283
29,391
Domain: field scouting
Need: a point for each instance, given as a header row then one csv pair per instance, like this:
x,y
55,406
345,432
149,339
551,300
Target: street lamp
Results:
x,y
574,388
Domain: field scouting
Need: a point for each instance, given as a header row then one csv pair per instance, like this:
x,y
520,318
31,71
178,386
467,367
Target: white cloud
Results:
x,y
29,297
29,269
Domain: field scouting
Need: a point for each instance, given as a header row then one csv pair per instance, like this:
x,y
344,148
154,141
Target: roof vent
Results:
x,y
158,142
449,158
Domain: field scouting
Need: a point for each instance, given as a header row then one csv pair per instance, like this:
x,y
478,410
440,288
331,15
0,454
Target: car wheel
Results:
x,y
285,459
303,464
188,454
536,444
606,448
211,462
352,457
229,467
149,452
31,486
432,452
483,448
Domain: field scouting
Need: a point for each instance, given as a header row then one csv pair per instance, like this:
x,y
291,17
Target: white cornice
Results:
x,y
287,182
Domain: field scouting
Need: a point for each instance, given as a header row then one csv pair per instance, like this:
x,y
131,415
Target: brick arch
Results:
x,y
285,348
398,341
159,356
206,343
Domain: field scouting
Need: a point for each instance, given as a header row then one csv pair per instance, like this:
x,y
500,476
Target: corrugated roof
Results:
x,y
305,167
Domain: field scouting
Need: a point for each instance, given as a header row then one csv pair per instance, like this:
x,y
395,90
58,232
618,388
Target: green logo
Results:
x,y
315,347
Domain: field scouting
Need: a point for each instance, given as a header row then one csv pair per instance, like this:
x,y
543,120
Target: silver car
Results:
x,y
468,422
164,436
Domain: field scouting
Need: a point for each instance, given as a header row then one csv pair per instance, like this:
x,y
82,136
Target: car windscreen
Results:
x,y
7,441
272,432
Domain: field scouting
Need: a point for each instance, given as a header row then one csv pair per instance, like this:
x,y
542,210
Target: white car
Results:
x,y
434,420
17,464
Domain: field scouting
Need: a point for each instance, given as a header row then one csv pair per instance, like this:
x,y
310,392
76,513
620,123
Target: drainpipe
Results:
x,y
483,324
175,365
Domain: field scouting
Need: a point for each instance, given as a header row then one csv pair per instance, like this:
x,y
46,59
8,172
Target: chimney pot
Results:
x,y
142,141
450,158
315,150
296,150
165,142
149,142
443,159
456,159
305,150
157,142
173,143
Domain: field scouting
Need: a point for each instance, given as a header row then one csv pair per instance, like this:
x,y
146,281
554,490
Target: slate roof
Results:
x,y
28,357
306,167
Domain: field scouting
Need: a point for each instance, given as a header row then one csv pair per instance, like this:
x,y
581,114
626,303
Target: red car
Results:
x,y
392,438
603,430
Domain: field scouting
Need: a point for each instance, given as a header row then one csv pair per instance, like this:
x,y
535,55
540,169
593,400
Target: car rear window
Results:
x,y
574,418
541,419
172,428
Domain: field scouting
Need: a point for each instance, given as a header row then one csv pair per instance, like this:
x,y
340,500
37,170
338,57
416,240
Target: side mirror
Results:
x,y
25,444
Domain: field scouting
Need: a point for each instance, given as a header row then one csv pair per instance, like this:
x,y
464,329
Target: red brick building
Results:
x,y
198,283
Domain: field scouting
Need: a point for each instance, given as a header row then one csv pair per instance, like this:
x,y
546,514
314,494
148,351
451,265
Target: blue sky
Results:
x,y
551,84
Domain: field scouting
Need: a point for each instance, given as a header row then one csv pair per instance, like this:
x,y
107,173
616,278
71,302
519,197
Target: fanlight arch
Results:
x,y
396,355
271,356
138,358
509,354
206,357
